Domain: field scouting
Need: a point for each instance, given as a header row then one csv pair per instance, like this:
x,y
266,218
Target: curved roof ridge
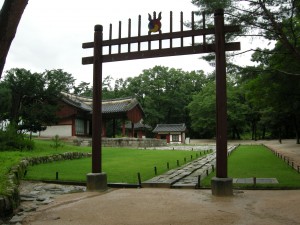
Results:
x,y
118,99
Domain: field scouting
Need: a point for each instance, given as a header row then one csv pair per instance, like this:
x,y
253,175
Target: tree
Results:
x,y
83,89
165,93
276,20
34,97
5,101
10,16
57,80
203,111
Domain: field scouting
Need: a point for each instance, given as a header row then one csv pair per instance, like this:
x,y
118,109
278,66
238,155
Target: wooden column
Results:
x,y
132,129
97,101
114,128
123,128
221,98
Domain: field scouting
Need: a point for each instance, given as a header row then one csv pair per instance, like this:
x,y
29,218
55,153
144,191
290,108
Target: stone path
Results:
x,y
36,194
188,175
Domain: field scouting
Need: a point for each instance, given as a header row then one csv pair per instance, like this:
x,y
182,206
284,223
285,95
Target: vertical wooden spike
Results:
x,y
181,26
160,41
120,35
171,28
193,27
149,42
110,37
139,32
203,27
129,32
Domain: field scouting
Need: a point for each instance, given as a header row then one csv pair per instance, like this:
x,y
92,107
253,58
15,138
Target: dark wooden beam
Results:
x,y
156,37
234,46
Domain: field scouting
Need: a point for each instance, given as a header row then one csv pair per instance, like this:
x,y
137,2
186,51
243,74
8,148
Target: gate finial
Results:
x,y
154,24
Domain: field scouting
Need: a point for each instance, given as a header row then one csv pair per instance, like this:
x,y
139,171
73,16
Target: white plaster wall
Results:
x,y
60,130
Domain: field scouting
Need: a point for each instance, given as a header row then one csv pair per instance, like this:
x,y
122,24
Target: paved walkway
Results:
x,y
189,175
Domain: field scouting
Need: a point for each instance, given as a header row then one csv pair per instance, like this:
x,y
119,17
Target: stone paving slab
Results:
x,y
258,180
186,176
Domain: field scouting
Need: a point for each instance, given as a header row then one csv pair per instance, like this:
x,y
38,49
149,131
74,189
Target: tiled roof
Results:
x,y
108,106
169,128
79,102
137,126
118,105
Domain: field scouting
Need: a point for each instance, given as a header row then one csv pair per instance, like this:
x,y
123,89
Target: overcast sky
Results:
x,y
51,33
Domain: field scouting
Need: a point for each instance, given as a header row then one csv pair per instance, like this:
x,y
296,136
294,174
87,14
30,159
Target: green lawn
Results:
x,y
120,164
258,161
42,148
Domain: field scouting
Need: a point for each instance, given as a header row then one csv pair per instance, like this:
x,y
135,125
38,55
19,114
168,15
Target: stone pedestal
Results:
x,y
221,186
96,181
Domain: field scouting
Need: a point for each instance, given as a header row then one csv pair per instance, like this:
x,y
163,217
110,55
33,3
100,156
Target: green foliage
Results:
x,y
203,111
165,93
13,141
27,92
5,101
83,89
56,142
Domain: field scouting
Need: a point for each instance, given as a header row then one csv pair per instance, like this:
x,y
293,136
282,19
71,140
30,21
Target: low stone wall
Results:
x,y
11,200
124,142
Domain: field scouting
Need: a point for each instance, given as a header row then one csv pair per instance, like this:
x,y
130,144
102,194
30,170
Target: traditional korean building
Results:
x,y
138,130
173,133
75,115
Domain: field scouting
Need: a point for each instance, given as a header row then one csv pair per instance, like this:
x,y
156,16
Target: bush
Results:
x,y
11,140
56,142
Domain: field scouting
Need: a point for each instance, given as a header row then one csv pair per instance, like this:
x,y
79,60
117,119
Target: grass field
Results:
x,y
121,165
42,148
257,161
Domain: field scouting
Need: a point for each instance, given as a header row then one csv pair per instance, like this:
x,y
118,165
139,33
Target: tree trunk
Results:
x,y
254,130
279,134
296,130
10,16
263,136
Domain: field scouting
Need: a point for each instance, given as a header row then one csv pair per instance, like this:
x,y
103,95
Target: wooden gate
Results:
x,y
219,47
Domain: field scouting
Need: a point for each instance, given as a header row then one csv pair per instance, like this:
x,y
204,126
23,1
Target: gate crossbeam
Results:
x,y
161,52
197,49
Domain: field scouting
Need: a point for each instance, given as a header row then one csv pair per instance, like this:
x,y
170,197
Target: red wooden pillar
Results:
x,y
168,138
221,98
97,101
73,127
132,129
123,129
114,128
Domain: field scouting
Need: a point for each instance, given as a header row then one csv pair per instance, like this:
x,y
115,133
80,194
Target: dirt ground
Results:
x,y
170,207
175,206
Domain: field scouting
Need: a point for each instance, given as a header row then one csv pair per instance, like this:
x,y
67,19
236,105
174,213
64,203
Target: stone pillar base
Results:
x,y
221,186
96,181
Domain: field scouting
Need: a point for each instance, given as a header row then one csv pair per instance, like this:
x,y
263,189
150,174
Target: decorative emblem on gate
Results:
x,y
154,24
